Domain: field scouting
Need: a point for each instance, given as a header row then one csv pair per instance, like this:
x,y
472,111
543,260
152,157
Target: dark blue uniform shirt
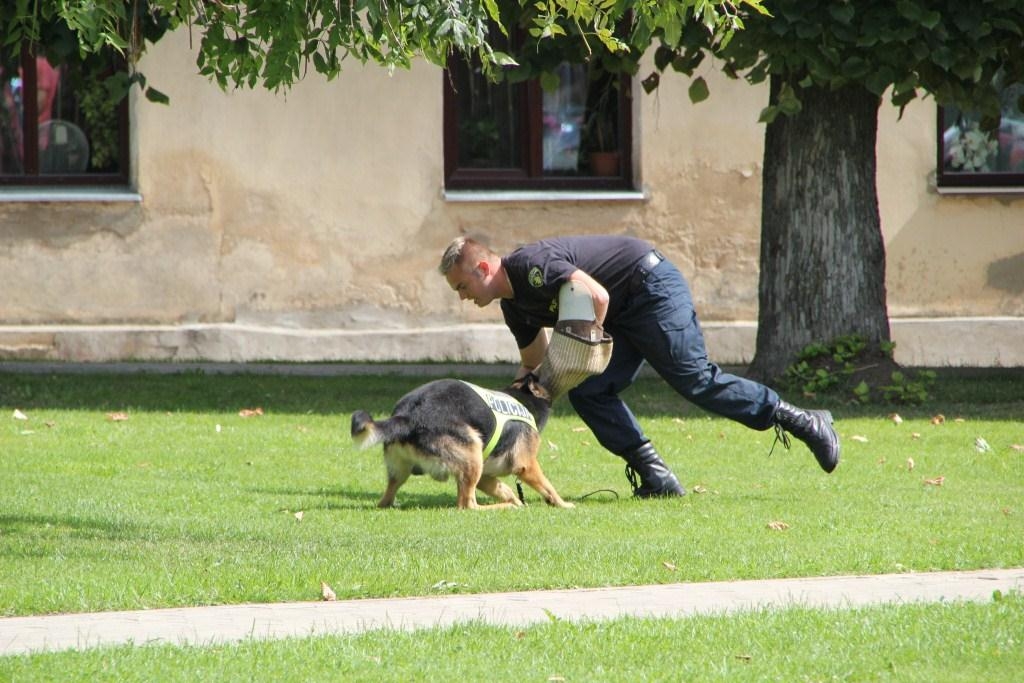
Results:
x,y
538,270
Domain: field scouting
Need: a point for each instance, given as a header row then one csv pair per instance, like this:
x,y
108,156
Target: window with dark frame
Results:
x,y
58,126
519,136
972,156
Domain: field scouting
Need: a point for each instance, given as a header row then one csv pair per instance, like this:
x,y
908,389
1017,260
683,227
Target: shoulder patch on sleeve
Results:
x,y
536,277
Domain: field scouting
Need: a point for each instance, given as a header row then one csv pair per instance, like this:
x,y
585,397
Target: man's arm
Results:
x,y
597,292
533,355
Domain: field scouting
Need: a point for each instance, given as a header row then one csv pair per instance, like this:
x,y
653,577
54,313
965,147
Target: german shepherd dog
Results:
x,y
450,427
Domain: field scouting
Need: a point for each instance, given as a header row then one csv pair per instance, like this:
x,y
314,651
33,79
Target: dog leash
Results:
x,y
522,498
611,491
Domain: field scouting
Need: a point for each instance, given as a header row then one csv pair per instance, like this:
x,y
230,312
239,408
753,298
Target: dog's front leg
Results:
x,y
466,462
497,489
534,477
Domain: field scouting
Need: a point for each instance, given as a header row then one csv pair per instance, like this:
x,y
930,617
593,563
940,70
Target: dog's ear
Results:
x,y
531,383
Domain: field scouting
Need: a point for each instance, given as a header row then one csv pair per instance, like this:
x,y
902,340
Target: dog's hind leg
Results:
x,y
398,472
467,475
498,490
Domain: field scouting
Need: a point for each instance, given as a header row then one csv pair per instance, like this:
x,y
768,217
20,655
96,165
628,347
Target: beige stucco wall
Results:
x,y
318,214
947,255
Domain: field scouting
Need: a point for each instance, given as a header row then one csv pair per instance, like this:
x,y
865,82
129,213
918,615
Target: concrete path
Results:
x,y
207,625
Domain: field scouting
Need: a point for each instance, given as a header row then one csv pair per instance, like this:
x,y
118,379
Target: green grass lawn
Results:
x,y
186,502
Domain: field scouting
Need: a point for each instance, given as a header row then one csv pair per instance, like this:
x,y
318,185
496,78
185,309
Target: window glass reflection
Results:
x,y
967,147
76,127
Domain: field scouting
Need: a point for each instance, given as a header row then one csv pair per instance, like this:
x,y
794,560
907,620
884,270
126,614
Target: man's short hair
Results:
x,y
451,255
459,250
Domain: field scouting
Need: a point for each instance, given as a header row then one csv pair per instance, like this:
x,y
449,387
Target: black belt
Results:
x,y
643,269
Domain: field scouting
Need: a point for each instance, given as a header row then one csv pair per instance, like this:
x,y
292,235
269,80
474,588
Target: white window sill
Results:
x,y
545,196
69,194
980,190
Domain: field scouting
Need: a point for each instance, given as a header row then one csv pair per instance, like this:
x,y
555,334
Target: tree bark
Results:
x,y
822,253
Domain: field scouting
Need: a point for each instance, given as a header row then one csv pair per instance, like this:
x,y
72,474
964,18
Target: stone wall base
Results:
x,y
920,342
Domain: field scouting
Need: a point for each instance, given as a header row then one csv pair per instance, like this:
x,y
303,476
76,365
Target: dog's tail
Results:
x,y
368,433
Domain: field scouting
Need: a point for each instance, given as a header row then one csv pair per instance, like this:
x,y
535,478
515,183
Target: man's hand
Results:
x,y
598,294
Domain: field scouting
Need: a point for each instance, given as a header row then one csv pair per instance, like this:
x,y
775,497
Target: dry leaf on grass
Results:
x,y
1017,447
938,419
669,566
896,419
443,585
18,415
859,438
298,515
937,481
579,429
910,464
776,525
699,489
250,412
982,446
915,435
552,445
327,593
117,417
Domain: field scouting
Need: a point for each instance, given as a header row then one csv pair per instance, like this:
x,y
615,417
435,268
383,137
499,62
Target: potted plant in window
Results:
x,y
601,126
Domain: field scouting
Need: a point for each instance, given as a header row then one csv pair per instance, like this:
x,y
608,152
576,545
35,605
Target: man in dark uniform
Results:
x,y
644,303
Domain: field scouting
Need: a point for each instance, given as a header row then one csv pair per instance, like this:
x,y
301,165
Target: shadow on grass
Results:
x,y
365,499
353,499
57,526
332,498
197,393
994,393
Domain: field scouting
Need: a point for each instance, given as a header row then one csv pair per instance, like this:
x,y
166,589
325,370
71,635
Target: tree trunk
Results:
x,y
822,254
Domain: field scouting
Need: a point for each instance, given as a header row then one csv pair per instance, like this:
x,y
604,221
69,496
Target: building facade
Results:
x,y
307,226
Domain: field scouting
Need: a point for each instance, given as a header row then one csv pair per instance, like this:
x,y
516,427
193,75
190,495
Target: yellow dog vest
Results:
x,y
505,408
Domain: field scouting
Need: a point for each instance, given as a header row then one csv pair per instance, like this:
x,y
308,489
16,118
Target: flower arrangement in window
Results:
x,y
973,149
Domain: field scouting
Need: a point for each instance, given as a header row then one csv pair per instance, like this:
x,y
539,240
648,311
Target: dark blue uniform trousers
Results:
x,y
658,324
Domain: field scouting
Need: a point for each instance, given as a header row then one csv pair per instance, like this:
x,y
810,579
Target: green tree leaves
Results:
x,y
949,49
698,90
274,43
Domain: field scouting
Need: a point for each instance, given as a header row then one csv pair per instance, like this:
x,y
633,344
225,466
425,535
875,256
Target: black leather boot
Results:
x,y
814,428
656,479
